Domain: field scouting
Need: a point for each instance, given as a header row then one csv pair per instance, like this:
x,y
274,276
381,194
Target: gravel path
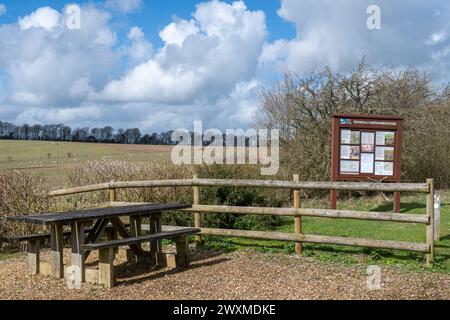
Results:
x,y
237,275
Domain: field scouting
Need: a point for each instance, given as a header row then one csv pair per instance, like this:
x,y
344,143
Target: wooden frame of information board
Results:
x,y
366,148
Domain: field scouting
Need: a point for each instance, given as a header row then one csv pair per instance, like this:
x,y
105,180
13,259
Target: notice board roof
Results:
x,y
364,116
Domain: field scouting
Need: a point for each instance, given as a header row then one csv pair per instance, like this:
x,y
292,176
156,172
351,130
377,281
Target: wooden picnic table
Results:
x,y
103,219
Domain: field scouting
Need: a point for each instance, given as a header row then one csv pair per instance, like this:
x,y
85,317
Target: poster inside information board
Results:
x,y
366,147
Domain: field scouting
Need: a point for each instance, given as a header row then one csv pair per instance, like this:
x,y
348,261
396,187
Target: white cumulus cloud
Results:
x,y
45,17
335,34
202,59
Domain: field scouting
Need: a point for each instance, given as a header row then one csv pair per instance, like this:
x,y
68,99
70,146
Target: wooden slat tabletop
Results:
x,y
91,214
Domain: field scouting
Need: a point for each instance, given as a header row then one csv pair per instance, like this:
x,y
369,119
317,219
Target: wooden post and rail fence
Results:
x,y
298,237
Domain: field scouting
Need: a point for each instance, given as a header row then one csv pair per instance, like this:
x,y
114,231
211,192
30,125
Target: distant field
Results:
x,y
41,156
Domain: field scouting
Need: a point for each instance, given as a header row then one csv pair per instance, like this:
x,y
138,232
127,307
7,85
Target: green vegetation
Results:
x,y
411,204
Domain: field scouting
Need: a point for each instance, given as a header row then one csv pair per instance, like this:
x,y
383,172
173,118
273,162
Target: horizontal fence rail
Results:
x,y
322,213
312,238
281,184
297,212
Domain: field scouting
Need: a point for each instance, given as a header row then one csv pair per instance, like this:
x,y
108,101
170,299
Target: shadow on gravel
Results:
x,y
139,272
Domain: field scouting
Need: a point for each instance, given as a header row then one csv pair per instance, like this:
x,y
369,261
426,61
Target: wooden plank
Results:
x,y
95,233
45,235
156,244
182,255
313,185
33,253
321,213
78,258
98,213
75,190
316,185
123,232
106,267
135,226
135,231
359,242
112,194
56,253
430,227
297,219
140,239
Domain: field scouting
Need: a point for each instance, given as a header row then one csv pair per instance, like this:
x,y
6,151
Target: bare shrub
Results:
x,y
94,172
302,108
104,171
21,194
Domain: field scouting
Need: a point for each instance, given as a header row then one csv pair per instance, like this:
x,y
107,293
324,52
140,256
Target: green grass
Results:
x,y
411,204
4,256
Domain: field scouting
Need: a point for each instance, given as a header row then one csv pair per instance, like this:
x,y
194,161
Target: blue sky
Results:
x,y
160,65
154,15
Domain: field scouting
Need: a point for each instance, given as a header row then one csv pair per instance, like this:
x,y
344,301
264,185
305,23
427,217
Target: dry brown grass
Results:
x,y
21,193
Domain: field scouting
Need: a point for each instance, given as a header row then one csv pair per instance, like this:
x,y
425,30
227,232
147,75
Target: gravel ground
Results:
x,y
237,275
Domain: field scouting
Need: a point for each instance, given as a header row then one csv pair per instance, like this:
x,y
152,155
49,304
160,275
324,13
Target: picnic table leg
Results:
x,y
33,249
106,267
135,231
78,240
156,245
111,234
57,250
182,256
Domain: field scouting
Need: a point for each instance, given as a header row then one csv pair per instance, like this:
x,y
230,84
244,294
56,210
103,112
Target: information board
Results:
x,y
366,148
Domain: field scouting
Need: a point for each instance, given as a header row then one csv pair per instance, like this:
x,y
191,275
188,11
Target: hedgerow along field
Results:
x,y
91,163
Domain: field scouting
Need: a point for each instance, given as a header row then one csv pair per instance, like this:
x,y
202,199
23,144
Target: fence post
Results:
x,y
297,219
112,194
197,217
430,226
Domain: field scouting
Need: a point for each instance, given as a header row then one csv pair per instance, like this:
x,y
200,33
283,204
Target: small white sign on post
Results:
x,y
437,214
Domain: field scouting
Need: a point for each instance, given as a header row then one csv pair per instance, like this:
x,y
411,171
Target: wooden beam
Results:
x,y
430,227
197,215
123,232
135,231
33,252
78,259
297,219
95,233
310,212
144,238
359,242
106,267
313,185
57,250
182,255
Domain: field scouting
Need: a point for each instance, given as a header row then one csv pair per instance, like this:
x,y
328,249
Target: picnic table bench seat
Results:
x,y
106,251
182,232
46,235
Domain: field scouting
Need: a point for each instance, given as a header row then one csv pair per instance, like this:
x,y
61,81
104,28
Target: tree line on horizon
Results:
x,y
61,132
